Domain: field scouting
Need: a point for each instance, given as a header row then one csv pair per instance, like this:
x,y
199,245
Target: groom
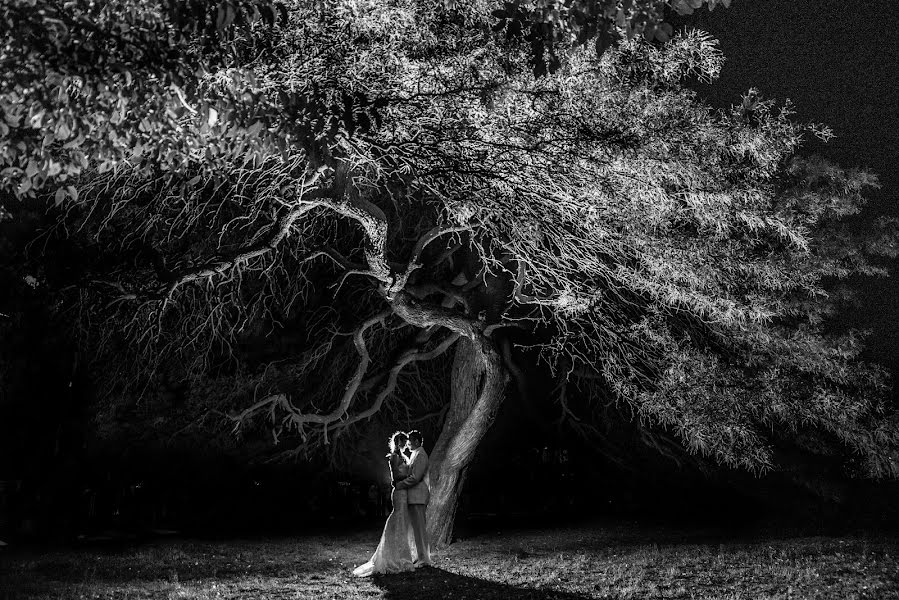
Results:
x,y
419,494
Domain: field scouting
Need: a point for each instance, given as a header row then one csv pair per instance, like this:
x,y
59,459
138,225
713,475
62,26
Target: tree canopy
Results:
x,y
77,71
357,188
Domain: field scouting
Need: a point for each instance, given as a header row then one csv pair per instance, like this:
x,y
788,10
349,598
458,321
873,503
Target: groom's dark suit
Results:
x,y
418,484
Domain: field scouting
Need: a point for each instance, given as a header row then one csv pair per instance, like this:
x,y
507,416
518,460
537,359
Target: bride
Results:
x,y
394,552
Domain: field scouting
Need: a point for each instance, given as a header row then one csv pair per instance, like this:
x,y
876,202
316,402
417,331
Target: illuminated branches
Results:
x,y
660,245
444,197
297,418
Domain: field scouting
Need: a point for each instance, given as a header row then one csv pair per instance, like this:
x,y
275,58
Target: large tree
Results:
x,y
371,185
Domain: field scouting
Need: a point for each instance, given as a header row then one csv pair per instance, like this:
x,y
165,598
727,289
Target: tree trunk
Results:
x,y
478,386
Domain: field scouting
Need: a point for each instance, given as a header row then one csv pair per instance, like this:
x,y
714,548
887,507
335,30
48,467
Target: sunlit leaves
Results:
x,y
95,84
687,7
549,26
669,250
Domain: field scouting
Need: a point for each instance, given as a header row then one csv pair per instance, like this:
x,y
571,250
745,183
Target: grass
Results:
x,y
609,561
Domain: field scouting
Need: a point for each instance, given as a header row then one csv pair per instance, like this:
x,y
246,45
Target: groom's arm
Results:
x,y
419,468
401,484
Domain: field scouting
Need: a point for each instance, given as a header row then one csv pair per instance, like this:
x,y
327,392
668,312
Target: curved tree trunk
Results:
x,y
478,386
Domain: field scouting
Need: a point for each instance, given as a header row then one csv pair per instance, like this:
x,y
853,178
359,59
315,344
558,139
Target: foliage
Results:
x,y
94,85
126,80
655,252
547,25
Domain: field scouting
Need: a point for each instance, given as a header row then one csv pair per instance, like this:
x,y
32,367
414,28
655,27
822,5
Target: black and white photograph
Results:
x,y
449,300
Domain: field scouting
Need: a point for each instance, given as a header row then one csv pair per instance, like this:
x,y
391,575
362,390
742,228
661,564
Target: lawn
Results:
x,y
605,560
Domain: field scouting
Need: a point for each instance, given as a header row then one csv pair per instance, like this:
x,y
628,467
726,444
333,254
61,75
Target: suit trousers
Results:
x,y
420,531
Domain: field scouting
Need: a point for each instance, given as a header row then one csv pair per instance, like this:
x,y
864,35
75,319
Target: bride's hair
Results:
x,y
397,441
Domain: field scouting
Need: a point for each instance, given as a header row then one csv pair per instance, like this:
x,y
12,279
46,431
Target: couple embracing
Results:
x,y
404,544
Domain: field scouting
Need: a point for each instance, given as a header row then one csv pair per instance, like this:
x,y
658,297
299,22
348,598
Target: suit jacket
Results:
x,y
418,479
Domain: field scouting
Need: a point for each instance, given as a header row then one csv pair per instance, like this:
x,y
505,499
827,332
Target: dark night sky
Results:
x,y
838,62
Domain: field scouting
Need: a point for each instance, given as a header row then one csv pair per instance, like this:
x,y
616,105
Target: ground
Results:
x,y
604,560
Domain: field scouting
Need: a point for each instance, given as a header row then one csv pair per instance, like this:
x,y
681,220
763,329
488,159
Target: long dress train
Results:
x,y
394,553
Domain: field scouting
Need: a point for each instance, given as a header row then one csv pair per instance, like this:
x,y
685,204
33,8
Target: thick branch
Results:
x,y
421,314
298,418
450,296
419,340
304,204
407,357
429,237
374,224
400,280
245,254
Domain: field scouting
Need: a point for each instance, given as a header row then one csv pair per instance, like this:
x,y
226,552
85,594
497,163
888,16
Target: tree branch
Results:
x,y
450,296
413,265
420,314
305,202
419,340
246,254
404,359
374,225
297,417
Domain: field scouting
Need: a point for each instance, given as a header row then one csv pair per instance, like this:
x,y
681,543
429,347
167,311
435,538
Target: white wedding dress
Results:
x,y
395,552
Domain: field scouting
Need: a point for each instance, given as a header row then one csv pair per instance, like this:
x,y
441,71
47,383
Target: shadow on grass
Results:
x,y
436,584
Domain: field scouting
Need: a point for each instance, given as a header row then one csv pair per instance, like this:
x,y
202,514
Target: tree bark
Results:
x,y
478,386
